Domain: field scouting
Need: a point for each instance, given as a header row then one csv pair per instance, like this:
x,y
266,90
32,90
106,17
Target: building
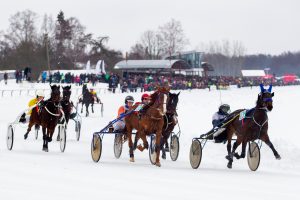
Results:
x,y
186,63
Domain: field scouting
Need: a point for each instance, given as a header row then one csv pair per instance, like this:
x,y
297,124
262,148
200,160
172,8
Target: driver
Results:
x,y
38,100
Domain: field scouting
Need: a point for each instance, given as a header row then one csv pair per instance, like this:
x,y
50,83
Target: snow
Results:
x,y
27,172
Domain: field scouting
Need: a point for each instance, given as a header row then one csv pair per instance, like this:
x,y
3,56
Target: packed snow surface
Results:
x,y
27,172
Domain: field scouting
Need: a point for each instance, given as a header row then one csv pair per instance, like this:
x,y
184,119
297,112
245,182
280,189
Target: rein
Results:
x,y
56,115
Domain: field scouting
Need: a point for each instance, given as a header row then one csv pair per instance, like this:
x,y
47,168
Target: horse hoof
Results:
x,y
139,147
45,149
229,165
158,164
25,136
57,139
278,157
163,156
131,159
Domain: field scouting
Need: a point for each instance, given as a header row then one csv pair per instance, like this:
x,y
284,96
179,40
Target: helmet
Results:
x,y
40,93
129,98
145,96
224,108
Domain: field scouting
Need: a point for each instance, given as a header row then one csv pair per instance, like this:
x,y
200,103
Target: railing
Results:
x,y
32,92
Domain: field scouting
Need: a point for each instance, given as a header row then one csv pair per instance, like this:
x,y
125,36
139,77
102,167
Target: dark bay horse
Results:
x,y
47,117
86,99
66,105
253,126
151,122
170,121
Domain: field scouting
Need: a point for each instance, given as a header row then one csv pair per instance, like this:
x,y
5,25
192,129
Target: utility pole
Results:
x,y
47,52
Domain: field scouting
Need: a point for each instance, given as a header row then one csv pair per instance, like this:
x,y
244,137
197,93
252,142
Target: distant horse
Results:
x,y
170,121
151,122
66,104
86,99
253,126
47,117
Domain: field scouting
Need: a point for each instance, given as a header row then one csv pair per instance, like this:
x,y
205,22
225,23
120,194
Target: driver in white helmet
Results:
x,y
38,100
217,120
120,125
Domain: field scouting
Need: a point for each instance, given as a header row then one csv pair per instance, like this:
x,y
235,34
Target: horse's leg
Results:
x,y
92,107
130,144
230,156
266,139
243,153
87,109
157,147
142,135
136,139
82,107
45,148
28,129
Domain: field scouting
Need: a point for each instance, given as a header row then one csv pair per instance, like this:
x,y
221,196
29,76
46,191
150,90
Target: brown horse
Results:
x,y
151,122
47,117
251,127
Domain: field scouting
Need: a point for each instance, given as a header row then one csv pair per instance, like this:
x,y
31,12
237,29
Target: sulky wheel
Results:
x,y
174,147
253,156
96,148
10,137
77,130
118,145
63,137
195,154
152,152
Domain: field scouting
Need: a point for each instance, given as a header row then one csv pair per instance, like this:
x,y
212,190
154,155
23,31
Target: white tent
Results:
x,y
253,73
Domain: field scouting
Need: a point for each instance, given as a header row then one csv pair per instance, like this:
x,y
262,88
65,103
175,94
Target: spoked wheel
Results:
x,y
96,148
77,130
195,154
36,131
118,145
10,137
253,156
63,137
152,153
174,147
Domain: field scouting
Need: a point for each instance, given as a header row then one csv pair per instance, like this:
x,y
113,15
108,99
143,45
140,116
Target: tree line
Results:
x,y
62,42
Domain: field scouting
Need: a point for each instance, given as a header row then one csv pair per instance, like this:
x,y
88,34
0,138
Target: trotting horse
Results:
x,y
151,121
170,121
253,126
48,117
86,99
66,105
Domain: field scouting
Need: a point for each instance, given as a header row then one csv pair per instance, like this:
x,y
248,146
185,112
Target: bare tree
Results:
x,y
22,27
173,37
152,41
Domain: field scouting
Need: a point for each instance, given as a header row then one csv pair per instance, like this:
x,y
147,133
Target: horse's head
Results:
x,y
159,101
172,102
66,93
55,93
265,98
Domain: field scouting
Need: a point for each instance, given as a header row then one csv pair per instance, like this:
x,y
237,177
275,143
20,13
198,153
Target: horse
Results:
x,y
170,121
47,116
87,99
66,105
150,122
253,126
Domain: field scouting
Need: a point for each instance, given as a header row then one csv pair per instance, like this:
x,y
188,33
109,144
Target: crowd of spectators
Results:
x,y
179,82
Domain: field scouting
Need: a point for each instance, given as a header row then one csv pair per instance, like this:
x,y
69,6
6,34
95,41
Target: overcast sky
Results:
x,y
263,26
